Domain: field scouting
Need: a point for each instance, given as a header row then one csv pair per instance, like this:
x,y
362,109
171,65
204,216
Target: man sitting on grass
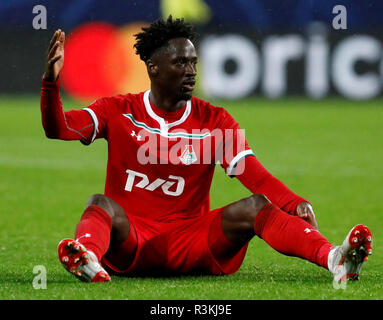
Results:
x,y
163,144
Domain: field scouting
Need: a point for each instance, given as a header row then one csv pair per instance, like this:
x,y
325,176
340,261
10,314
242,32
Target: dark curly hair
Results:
x,y
159,33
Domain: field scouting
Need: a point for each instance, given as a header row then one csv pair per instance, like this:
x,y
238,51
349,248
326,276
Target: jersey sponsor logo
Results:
x,y
141,180
188,156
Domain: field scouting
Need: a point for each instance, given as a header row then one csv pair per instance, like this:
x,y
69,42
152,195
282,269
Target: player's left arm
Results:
x,y
240,161
257,179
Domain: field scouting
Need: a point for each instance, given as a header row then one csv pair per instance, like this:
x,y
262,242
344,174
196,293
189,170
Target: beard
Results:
x,y
185,95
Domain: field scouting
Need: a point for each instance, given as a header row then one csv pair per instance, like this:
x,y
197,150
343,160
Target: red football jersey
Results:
x,y
161,164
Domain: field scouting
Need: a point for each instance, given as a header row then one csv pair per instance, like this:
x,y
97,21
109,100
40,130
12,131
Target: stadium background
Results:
x,y
309,97
246,47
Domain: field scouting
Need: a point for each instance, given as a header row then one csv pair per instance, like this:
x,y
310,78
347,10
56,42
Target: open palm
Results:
x,y
55,56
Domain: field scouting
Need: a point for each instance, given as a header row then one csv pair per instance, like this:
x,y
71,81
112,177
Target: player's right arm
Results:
x,y
55,56
58,124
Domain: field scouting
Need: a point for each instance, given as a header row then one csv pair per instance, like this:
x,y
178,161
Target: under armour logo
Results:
x,y
308,230
133,134
86,235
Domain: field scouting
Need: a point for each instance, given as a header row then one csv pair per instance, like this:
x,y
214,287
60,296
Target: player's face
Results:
x,y
177,68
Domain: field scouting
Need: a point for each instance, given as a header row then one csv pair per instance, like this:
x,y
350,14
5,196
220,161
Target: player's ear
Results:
x,y
152,68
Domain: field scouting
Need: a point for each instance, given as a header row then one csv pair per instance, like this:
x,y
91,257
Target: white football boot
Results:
x,y
83,264
346,261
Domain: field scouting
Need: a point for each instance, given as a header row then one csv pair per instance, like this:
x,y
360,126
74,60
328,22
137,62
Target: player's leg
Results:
x,y
287,234
255,215
232,228
103,224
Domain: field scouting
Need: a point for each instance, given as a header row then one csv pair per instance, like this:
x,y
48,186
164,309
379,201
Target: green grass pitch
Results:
x,y
329,151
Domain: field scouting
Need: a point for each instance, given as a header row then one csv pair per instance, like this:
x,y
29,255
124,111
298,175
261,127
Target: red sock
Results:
x,y
291,235
93,230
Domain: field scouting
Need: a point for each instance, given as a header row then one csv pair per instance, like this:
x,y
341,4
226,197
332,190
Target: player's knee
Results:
x,y
252,205
257,201
103,202
239,217
245,210
120,222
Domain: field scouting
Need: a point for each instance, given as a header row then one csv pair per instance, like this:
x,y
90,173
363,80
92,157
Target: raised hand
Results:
x,y
55,56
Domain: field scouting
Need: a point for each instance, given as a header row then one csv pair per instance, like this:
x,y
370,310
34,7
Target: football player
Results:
x,y
163,145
